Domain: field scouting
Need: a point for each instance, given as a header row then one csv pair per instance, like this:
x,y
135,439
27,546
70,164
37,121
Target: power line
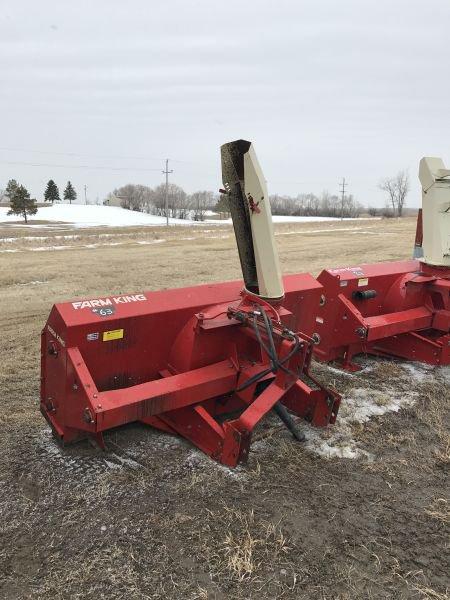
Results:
x,y
5,162
343,186
300,182
110,157
166,202
90,155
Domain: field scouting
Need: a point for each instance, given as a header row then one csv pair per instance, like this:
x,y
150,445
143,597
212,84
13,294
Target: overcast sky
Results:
x,y
323,88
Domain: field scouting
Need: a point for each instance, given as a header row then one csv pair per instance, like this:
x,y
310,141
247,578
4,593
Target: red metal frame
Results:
x,y
398,308
176,360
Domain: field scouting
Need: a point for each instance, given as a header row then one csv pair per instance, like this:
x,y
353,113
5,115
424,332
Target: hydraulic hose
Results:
x,y
275,364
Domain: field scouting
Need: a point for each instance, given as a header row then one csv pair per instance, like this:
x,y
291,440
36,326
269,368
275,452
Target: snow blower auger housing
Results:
x,y
395,308
205,362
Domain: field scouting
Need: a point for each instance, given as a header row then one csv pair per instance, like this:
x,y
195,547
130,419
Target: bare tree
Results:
x,y
182,206
352,208
134,197
200,202
334,207
178,201
374,212
388,185
311,205
276,204
387,213
397,188
286,205
402,189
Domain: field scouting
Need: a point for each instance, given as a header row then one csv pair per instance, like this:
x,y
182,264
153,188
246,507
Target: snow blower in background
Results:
x,y
394,308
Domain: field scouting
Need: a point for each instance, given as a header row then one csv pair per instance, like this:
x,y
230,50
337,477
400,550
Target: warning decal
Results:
x,y
115,334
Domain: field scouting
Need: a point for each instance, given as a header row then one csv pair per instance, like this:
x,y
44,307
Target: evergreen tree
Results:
x,y
51,193
11,188
21,203
222,206
70,193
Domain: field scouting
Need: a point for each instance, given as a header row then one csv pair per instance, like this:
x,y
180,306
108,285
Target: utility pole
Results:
x,y
343,186
166,202
85,193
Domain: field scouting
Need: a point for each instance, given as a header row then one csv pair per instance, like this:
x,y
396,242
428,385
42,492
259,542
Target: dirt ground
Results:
x,y
152,517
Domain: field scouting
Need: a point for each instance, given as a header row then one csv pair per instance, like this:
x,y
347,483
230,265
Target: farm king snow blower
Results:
x,y
401,308
205,362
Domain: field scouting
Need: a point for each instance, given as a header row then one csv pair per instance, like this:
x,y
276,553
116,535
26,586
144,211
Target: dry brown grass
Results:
x,y
388,371
433,412
246,545
440,510
427,593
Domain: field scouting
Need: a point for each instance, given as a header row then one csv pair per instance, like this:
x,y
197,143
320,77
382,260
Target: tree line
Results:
x,y
22,204
310,205
153,200
194,206
182,205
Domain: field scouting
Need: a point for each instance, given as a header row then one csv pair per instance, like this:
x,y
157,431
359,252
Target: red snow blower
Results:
x,y
394,308
205,362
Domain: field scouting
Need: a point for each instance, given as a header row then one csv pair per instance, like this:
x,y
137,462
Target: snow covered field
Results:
x,y
80,215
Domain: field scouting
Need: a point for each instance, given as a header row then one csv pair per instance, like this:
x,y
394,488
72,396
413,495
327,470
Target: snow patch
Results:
x,y
337,441
37,282
47,248
445,374
419,372
292,219
362,403
93,216
9,240
79,247
129,462
329,230
80,215
147,242
197,460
